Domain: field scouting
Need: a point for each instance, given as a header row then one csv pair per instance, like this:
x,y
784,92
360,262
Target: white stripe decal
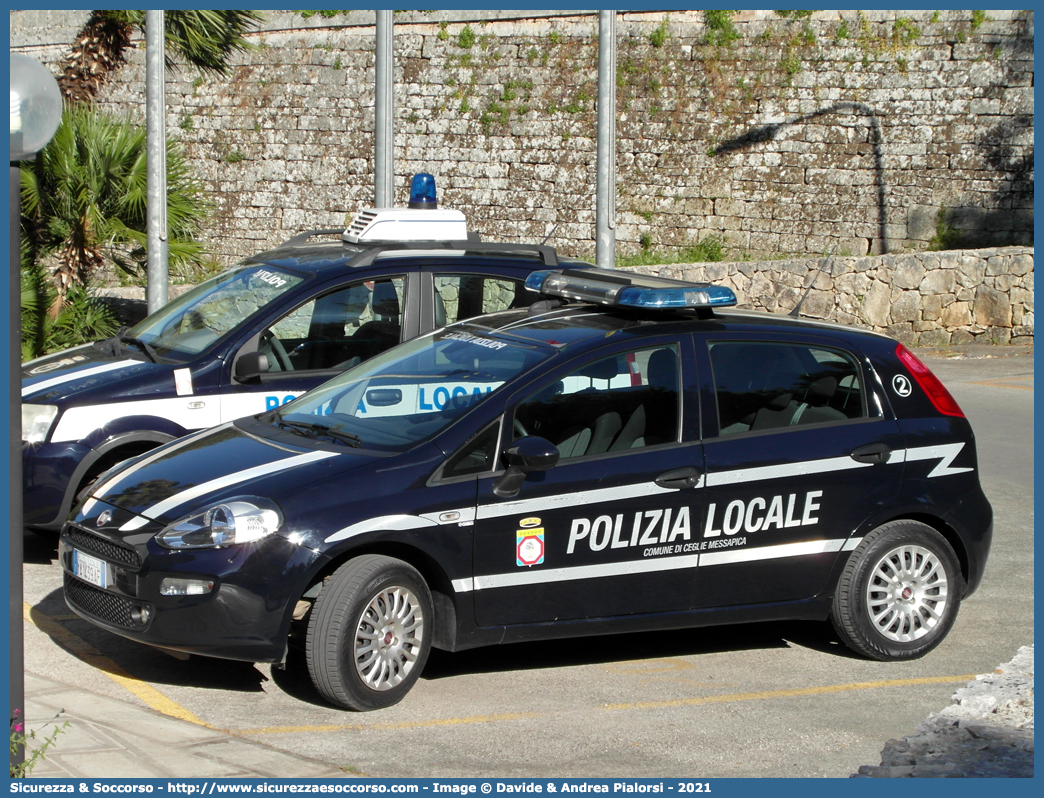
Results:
x,y
783,470
75,375
549,503
656,565
802,549
221,482
585,572
945,452
388,522
98,492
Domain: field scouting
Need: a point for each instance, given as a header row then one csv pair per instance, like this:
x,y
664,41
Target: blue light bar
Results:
x,y
422,192
626,289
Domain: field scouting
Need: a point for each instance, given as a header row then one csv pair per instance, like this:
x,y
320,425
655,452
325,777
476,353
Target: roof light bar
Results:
x,y
605,287
422,221
422,192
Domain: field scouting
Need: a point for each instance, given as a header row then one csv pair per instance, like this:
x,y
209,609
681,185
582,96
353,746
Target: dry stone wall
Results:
x,y
923,298
848,132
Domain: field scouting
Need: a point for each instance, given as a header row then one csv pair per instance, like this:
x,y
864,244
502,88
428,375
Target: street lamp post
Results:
x,y
36,111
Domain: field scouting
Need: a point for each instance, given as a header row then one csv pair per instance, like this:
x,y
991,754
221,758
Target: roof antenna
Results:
x,y
551,233
822,264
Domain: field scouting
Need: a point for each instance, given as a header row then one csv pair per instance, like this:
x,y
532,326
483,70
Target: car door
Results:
x,y
333,330
797,448
608,530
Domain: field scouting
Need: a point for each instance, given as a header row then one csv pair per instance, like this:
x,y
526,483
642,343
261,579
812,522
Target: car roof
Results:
x,y
580,326
326,257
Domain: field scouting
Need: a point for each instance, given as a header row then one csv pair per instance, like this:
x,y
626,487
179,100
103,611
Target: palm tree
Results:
x,y
205,39
82,318
84,201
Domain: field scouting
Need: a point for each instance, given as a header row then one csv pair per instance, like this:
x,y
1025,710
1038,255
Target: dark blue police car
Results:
x,y
276,325
625,454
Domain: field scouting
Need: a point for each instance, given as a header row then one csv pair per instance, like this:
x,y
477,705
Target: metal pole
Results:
x,y
605,197
14,404
384,106
156,150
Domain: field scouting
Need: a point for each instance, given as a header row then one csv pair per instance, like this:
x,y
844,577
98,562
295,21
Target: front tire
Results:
x,y
369,633
899,593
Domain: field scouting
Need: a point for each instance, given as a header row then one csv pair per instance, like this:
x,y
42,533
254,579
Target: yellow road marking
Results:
x,y
715,699
79,648
650,665
408,724
1003,383
797,691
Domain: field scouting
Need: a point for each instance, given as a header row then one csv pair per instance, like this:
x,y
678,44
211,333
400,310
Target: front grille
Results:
x,y
102,604
101,547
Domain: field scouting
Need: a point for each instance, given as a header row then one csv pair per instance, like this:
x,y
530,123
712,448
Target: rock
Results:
x,y
992,308
986,732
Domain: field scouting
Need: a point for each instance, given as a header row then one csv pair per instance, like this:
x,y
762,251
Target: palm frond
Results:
x,y
207,39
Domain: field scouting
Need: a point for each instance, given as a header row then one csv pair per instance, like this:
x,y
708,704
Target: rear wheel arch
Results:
x,y
934,521
947,531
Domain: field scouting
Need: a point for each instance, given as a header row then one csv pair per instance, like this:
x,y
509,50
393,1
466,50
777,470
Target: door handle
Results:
x,y
872,453
687,477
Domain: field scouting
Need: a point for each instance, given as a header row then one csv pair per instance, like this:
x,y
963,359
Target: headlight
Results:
x,y
239,520
37,421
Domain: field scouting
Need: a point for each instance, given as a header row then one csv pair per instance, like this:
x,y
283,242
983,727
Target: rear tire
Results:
x,y
899,593
369,633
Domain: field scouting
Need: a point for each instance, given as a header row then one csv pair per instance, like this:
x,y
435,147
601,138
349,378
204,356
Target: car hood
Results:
x,y
193,473
85,369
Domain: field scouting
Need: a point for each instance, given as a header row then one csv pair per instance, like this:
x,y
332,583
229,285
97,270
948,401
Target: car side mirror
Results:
x,y
525,455
250,366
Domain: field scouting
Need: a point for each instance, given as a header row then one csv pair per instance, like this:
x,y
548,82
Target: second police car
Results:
x,y
277,324
626,454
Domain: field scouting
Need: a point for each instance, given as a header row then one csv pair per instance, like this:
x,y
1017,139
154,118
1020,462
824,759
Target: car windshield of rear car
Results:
x,y
198,318
413,391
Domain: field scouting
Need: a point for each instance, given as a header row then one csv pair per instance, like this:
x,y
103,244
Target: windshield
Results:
x,y
198,318
413,391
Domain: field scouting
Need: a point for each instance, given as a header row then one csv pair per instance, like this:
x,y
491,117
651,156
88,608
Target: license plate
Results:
x,y
88,568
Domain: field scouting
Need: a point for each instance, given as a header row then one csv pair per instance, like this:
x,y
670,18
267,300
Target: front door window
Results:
x,y
337,330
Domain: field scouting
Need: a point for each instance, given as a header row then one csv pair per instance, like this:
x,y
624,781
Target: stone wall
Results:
x,y
923,298
847,132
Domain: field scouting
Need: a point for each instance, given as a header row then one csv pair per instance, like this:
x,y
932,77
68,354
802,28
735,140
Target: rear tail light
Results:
x,y
930,384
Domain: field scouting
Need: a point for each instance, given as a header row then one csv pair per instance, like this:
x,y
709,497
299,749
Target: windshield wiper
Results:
x,y
114,345
320,430
148,350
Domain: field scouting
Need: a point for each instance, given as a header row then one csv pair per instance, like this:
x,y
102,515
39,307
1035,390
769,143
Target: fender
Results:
x,y
163,429
97,452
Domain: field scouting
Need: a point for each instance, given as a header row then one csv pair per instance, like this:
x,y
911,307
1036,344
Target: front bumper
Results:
x,y
246,616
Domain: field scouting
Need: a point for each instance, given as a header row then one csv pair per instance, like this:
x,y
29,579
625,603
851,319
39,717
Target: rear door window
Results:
x,y
763,385
462,296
